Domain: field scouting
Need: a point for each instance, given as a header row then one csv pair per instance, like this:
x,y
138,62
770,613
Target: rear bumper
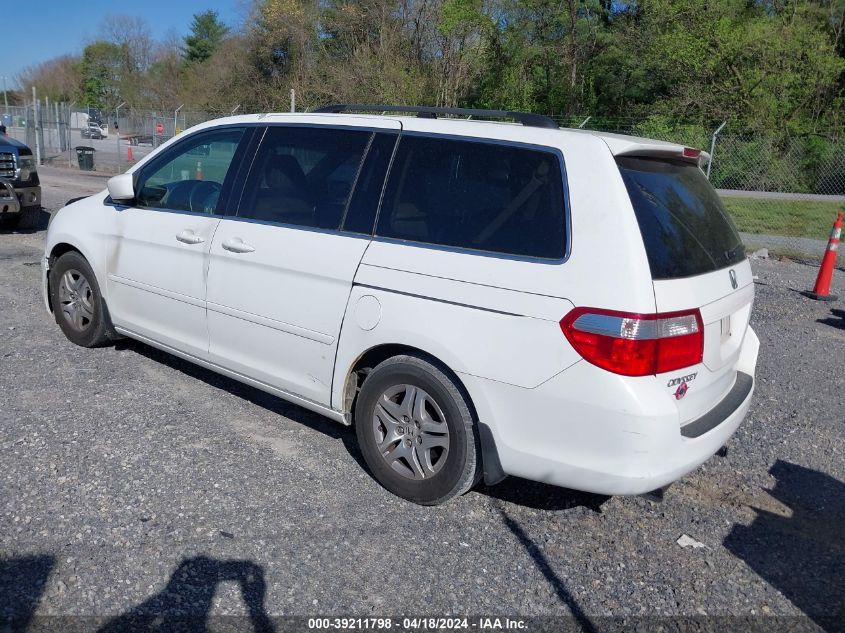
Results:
x,y
590,430
739,394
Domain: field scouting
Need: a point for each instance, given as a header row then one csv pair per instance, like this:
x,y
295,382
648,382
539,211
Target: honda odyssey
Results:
x,y
478,298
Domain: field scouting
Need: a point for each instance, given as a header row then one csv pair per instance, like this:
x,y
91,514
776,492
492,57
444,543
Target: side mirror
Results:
x,y
121,188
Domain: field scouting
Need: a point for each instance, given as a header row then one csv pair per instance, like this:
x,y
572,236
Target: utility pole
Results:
x,y
176,119
5,98
117,131
59,137
35,118
69,138
713,147
49,142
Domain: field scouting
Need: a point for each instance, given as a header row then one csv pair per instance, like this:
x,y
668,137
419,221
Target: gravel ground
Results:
x,y
803,247
133,483
58,185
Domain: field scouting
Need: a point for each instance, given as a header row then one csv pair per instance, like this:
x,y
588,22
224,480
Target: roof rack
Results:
x,y
428,112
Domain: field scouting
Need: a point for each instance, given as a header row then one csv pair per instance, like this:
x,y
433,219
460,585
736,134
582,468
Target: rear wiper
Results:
x,y
729,255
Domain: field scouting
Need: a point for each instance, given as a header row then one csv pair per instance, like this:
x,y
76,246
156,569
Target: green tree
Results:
x,y
767,66
207,32
103,65
538,54
672,68
58,79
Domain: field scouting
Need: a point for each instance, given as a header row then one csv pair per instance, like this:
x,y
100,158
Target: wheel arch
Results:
x,y
355,376
57,251
62,247
376,354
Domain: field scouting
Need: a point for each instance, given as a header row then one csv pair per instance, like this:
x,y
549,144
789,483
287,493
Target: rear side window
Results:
x,y
303,176
482,196
685,228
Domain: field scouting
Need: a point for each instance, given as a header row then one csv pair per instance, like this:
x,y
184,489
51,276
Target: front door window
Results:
x,y
190,176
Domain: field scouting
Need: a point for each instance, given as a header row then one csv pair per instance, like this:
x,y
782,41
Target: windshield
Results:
x,y
686,229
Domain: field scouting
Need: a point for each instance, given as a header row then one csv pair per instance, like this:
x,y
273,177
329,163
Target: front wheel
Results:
x,y
77,303
416,431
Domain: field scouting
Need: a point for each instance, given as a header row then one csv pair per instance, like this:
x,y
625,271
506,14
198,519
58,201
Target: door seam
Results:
x,y
206,270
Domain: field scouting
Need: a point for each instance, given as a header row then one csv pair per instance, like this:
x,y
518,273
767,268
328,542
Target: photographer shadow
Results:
x,y
22,581
801,555
835,320
185,603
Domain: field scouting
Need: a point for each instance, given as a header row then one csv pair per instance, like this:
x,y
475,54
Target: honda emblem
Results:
x,y
732,275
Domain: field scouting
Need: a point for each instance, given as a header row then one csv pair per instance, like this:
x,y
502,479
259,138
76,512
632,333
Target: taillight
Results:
x,y
636,344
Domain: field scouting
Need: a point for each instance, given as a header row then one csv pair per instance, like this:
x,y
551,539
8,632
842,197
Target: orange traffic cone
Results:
x,y
821,291
129,156
199,171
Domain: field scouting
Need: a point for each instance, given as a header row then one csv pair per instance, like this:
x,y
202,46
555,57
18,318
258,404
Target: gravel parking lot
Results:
x,y
135,484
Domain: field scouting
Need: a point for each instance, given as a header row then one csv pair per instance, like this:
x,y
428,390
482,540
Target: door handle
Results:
x,y
237,245
189,237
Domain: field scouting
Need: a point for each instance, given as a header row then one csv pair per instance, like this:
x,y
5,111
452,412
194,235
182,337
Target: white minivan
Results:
x,y
478,298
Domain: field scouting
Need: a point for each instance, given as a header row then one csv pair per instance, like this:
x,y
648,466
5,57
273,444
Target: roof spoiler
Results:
x,y
689,154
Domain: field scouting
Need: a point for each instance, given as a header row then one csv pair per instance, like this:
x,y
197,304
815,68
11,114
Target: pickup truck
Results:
x,y
20,188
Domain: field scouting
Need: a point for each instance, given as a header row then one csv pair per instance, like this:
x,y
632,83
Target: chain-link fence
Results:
x,y
44,127
56,131
783,191
20,122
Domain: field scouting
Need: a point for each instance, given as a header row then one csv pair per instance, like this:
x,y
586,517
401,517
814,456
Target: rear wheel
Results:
x,y
416,431
77,303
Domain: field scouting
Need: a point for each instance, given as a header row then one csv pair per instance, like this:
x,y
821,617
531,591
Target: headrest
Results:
x,y
284,172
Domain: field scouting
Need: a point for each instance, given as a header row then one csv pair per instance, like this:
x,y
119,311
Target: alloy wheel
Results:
x,y
410,431
76,299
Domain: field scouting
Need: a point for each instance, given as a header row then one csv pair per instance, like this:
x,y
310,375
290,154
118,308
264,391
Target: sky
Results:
x,y
37,30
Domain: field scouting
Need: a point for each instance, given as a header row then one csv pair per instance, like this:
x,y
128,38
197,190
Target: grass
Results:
x,y
793,218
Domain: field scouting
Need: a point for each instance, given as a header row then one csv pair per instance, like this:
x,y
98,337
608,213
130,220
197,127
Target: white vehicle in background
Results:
x,y
89,123
479,299
79,119
95,131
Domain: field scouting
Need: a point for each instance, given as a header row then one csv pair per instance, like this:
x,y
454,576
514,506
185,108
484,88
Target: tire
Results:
x,y
77,302
416,432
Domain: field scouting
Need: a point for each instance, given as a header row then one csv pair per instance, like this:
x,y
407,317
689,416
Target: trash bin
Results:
x,y
85,157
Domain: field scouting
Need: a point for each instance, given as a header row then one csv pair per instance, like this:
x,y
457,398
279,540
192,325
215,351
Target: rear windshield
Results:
x,y
685,228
